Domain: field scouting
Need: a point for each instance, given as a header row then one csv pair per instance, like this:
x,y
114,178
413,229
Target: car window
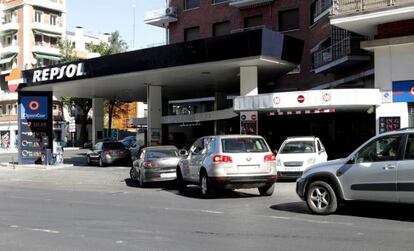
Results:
x,y
298,147
381,149
243,145
409,149
197,147
211,145
113,145
97,146
321,148
154,154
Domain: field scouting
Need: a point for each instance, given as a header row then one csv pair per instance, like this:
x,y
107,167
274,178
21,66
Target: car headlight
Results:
x,y
278,162
311,161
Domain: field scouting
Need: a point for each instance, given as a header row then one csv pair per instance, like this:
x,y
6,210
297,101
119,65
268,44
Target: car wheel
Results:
x,y
321,198
182,186
205,185
101,163
88,160
133,174
141,180
267,190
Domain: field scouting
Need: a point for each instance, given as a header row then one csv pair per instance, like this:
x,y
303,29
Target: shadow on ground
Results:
x,y
384,211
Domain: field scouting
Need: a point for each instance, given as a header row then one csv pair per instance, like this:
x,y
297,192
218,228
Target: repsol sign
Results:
x,y
58,73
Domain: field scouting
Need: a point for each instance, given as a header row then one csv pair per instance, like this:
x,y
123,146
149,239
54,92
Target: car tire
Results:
x,y
181,184
101,163
267,190
133,174
141,180
207,190
321,198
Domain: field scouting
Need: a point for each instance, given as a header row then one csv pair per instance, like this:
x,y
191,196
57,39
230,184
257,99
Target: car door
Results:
x,y
371,174
196,158
322,155
405,173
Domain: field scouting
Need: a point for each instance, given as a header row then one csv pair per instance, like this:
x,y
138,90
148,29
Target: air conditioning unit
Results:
x,y
171,11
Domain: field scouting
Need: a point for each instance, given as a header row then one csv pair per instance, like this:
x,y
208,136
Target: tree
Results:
x,y
83,104
114,45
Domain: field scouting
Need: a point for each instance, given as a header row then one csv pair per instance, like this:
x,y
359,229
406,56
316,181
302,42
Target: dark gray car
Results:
x,y
154,164
110,152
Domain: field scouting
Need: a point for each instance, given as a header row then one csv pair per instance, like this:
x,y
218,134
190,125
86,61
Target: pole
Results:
x,y
133,26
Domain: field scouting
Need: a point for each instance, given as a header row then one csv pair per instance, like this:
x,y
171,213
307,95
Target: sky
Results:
x,y
105,16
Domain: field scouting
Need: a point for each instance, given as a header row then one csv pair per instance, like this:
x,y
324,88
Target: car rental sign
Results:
x,y
57,73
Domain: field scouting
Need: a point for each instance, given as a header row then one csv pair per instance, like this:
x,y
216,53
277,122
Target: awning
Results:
x,y
45,33
8,32
45,56
8,59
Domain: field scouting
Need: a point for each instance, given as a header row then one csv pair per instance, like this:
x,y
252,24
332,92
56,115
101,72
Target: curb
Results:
x,y
40,167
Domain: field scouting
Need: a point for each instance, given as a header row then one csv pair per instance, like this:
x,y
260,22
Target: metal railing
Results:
x,y
320,7
336,51
154,14
352,6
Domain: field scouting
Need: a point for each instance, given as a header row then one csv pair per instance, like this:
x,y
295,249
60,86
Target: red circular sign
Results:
x,y
276,100
254,117
34,105
301,99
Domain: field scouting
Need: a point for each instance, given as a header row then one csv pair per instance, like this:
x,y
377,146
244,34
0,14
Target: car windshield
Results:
x,y
154,154
113,145
298,147
243,145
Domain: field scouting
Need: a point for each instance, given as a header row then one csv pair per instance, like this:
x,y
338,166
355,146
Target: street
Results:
x,y
92,208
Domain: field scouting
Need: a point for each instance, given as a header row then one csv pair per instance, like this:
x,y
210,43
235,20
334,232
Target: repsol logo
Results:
x,y
56,73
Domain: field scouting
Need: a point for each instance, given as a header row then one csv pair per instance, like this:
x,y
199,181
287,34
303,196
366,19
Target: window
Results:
x,y
222,28
382,149
254,21
198,147
38,16
243,145
298,147
219,1
54,42
191,4
53,20
289,20
38,39
1,110
409,151
191,33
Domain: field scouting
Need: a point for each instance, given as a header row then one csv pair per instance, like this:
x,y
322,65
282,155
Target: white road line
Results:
x,y
312,221
211,212
281,218
194,210
45,230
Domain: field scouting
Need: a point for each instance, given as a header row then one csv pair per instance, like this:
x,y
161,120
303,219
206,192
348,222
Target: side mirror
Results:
x,y
183,153
275,152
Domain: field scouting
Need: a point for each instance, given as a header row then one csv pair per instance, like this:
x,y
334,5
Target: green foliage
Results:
x,y
67,50
115,45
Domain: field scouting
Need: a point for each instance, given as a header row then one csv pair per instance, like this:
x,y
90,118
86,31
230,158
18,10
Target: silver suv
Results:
x,y
229,162
382,169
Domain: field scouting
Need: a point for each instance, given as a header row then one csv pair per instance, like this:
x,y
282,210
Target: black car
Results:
x,y
110,152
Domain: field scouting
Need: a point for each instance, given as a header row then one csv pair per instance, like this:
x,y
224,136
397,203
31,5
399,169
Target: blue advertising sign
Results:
x,y
403,91
34,108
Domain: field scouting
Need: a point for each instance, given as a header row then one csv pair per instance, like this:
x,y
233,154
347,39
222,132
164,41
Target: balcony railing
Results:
x,y
352,6
161,17
346,47
321,7
248,3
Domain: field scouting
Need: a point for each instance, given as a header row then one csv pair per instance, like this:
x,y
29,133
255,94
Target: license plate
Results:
x,y
168,175
292,169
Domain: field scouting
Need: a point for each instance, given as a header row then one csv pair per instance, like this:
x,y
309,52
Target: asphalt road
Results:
x,y
92,208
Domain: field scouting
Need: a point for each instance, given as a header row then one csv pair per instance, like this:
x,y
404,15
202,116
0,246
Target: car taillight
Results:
x,y
148,164
107,153
269,157
222,159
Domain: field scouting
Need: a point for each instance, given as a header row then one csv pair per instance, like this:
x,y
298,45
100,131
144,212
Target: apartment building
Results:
x,y
80,39
331,59
388,26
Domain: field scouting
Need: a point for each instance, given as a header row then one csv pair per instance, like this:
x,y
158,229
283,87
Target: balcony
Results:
x,y
9,49
363,16
249,3
340,55
11,27
320,9
161,17
7,118
46,49
56,5
55,29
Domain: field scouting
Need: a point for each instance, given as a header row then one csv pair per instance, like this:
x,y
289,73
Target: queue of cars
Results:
x,y
379,170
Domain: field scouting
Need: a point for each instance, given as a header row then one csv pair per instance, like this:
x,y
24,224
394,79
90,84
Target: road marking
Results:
x,y
45,230
119,242
281,218
311,221
211,212
194,210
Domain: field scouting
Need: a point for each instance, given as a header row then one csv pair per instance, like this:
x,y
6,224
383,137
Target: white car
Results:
x,y
297,154
229,162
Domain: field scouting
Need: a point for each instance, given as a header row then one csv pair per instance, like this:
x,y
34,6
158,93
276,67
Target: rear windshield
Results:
x,y
299,147
153,154
244,145
113,145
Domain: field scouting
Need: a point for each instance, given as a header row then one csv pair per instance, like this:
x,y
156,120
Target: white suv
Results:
x,y
229,162
297,154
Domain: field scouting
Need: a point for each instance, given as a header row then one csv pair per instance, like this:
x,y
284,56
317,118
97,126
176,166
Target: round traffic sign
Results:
x,y
301,99
326,97
243,117
254,117
276,100
34,105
